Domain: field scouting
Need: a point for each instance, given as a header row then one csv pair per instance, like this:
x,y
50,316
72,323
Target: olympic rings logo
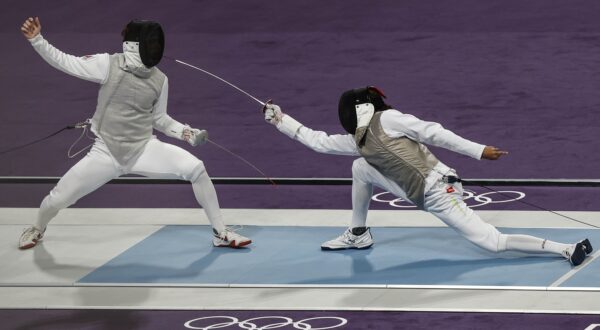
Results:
x,y
470,197
218,322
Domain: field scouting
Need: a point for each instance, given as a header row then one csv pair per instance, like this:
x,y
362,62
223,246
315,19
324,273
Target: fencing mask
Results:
x,y
349,101
150,37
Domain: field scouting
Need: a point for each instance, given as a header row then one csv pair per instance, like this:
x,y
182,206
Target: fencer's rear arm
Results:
x,y
90,67
398,124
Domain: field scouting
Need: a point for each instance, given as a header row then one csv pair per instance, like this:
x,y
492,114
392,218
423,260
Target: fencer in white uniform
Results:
x,y
395,158
132,101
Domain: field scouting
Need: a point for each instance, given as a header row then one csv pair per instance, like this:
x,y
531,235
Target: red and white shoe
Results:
x,y
30,237
229,238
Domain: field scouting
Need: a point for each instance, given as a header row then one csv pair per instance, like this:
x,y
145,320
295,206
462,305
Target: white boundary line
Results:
x,y
310,286
574,271
332,309
282,299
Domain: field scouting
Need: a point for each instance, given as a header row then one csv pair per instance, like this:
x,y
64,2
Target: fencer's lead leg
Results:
x,y
206,196
163,160
358,236
361,198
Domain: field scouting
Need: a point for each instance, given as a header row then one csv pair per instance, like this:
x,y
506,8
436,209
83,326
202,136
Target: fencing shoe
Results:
x,y
587,246
577,253
229,238
30,237
348,240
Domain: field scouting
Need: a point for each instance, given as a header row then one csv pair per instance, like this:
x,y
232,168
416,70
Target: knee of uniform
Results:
x,y
196,172
489,246
358,166
495,243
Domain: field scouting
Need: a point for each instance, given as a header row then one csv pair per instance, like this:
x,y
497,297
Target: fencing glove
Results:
x,y
273,113
194,136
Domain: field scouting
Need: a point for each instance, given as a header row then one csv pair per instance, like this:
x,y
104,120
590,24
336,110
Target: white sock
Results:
x,y
361,198
531,244
206,196
45,214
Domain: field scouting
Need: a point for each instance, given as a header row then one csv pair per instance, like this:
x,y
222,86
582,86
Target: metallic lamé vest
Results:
x,y
124,114
402,160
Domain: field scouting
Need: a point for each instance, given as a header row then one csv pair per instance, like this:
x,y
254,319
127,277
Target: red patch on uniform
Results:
x,y
87,57
450,190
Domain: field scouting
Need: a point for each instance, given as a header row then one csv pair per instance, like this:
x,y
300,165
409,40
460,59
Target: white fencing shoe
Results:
x,y
30,237
350,241
229,238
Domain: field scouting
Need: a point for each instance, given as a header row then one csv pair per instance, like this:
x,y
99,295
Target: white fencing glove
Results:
x,y
194,136
273,113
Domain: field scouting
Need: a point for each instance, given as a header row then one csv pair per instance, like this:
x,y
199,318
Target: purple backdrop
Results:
x,y
517,74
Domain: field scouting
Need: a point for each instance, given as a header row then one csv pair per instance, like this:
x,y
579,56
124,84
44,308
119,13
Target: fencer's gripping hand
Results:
x,y
273,113
492,153
194,136
31,27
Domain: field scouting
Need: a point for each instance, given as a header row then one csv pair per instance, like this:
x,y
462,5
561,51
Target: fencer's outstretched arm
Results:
x,y
90,67
316,140
398,124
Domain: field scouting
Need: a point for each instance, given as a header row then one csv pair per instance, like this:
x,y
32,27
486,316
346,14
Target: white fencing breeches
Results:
x,y
446,205
157,160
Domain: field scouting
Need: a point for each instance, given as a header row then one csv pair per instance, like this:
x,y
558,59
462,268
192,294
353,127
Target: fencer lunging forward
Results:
x,y
395,158
131,102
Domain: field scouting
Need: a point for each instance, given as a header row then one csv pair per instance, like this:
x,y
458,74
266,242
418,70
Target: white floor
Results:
x,y
83,239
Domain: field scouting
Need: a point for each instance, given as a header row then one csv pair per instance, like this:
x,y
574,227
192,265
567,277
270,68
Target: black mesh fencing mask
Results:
x,y
351,98
151,40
